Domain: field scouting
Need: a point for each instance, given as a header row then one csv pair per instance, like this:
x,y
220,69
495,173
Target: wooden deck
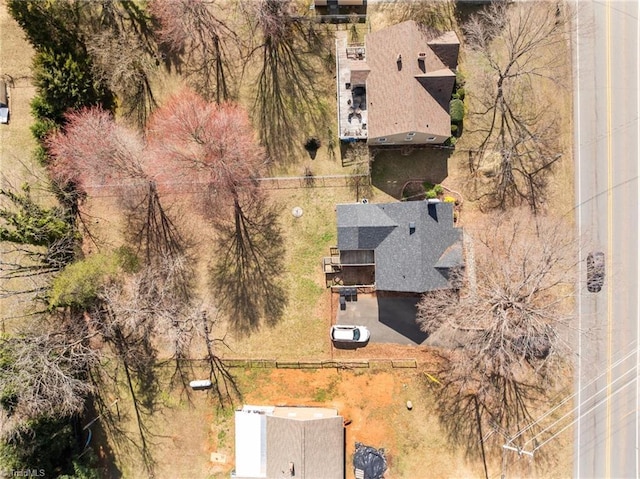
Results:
x,y
352,113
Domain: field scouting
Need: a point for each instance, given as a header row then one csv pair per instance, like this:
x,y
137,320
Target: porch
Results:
x,y
352,99
349,268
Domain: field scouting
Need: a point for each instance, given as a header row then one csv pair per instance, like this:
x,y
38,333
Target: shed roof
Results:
x,y
269,440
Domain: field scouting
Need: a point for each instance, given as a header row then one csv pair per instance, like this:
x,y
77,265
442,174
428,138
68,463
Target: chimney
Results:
x,y
421,64
412,227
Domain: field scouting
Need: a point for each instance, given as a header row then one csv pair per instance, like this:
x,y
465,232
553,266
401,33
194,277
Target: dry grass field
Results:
x,y
16,142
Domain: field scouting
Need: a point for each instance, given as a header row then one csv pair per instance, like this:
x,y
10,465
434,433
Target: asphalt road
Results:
x,y
606,98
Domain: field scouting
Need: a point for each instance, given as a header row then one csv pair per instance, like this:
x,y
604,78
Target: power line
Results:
x,y
568,398
520,449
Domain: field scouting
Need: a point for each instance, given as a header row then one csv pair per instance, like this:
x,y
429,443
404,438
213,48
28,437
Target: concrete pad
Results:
x,y
390,320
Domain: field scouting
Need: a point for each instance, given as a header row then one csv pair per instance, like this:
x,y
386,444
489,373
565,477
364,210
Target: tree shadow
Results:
x,y
249,262
482,410
113,414
97,438
288,93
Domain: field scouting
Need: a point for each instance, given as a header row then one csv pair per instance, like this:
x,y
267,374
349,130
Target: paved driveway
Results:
x,y
390,320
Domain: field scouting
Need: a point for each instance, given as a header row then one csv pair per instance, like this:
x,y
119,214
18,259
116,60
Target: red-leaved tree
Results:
x,y
214,147
93,150
191,140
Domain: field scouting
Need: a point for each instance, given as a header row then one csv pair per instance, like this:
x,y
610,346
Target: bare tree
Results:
x,y
123,63
201,143
194,30
225,385
45,367
511,321
118,37
436,15
93,150
515,128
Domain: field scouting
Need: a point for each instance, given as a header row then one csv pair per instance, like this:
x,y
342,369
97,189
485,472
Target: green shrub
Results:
x,y
430,194
79,283
432,191
460,93
454,129
456,110
42,126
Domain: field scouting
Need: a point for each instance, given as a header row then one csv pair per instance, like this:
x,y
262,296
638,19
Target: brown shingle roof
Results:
x,y
314,446
401,93
359,74
447,47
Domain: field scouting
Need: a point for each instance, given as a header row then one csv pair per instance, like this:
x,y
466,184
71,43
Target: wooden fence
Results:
x,y
326,181
322,364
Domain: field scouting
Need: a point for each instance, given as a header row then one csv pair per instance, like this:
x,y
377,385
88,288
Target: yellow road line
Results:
x,y
609,242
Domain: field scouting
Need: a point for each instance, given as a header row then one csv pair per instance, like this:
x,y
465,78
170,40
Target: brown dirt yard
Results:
x,y
374,401
186,437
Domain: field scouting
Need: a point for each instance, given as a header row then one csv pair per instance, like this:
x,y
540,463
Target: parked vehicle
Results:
x,y
341,333
595,271
4,103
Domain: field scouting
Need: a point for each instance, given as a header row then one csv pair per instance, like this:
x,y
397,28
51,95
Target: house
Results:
x,y
407,247
300,442
395,88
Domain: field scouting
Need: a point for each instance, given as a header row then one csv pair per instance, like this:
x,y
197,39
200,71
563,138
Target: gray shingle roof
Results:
x,y
406,259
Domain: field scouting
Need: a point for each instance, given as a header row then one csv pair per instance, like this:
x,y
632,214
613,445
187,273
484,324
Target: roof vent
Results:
x,y
365,201
422,54
412,227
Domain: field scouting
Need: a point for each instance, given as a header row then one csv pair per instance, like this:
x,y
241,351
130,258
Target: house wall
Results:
x,y
420,138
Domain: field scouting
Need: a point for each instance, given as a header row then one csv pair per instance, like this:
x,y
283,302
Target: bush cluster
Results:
x,y
432,191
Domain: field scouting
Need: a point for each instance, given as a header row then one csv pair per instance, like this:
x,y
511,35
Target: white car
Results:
x,y
341,333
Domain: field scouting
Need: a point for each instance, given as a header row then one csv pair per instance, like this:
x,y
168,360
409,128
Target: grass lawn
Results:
x,y
17,144
303,330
